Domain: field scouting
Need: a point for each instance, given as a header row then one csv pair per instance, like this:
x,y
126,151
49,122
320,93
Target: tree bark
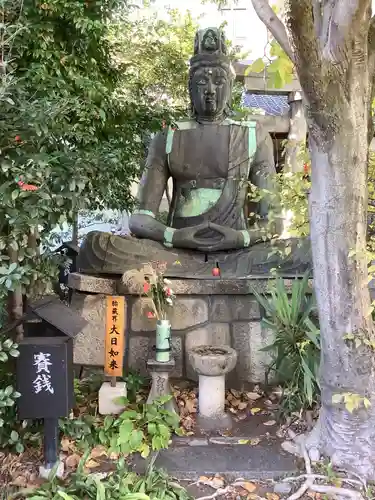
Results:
x,y
338,207
335,62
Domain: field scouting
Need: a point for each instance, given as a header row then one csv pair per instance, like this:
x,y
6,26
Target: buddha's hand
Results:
x,y
226,239
208,237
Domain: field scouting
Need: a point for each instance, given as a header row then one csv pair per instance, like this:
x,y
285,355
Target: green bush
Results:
x,y
140,428
119,485
9,437
291,315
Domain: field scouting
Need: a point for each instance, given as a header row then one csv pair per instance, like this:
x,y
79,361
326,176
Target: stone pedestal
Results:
x,y
205,312
107,398
212,363
160,385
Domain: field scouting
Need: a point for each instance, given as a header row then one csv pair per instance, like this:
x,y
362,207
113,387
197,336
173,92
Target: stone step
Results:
x,y
264,461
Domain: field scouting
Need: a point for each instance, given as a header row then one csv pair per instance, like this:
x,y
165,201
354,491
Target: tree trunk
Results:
x,y
338,218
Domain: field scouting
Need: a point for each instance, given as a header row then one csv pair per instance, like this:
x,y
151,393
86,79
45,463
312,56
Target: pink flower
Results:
x,y
168,292
146,287
150,315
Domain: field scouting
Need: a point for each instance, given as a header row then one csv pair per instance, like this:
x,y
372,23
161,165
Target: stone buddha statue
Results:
x,y
212,160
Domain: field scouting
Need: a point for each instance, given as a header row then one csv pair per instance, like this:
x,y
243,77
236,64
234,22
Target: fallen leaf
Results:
x,y
191,405
98,451
272,496
217,482
19,481
249,487
254,441
241,416
203,479
241,492
253,411
242,406
232,410
253,396
91,464
270,422
243,441
72,461
66,445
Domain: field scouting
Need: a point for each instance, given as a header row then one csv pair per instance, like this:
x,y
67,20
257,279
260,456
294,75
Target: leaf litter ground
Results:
x,y
255,419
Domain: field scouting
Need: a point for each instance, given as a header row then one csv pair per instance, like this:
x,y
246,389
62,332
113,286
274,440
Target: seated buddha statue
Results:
x,y
212,160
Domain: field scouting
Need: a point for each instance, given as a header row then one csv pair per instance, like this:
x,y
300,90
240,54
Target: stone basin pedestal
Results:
x,y
160,385
212,363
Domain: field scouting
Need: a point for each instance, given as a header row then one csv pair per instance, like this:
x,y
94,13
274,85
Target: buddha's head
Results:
x,y
211,76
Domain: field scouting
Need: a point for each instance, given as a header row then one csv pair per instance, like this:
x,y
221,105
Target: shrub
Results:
x,y
291,315
118,485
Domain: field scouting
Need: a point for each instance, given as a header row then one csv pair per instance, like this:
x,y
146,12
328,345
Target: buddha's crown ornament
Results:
x,y
210,49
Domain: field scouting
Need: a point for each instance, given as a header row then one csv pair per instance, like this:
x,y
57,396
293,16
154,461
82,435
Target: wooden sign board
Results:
x,y
115,336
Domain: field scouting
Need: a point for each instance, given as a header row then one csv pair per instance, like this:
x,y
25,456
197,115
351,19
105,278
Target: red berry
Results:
x,y
215,271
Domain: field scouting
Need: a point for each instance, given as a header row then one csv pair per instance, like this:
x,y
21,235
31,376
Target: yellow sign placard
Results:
x,y
115,336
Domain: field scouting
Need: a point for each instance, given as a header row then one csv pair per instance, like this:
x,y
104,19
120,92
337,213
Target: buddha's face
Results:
x,y
210,92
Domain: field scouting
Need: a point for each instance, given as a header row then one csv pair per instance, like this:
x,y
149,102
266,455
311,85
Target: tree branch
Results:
x,y
340,18
275,26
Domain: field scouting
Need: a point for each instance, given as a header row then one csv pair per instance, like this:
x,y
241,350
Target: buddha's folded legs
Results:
x,y
104,253
287,257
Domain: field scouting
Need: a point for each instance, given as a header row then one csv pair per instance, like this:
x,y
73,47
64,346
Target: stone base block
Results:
x,y
206,312
160,383
222,422
108,396
45,472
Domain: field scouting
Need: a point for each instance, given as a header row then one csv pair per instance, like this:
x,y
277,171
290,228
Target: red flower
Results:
x,y
150,315
146,287
306,168
28,187
216,271
17,138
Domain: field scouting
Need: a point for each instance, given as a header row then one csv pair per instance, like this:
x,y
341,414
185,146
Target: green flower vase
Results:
x,y
163,335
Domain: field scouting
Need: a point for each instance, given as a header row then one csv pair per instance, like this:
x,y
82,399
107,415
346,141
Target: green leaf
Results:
x,y
14,436
136,438
257,66
145,450
64,495
151,428
125,431
108,421
100,489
